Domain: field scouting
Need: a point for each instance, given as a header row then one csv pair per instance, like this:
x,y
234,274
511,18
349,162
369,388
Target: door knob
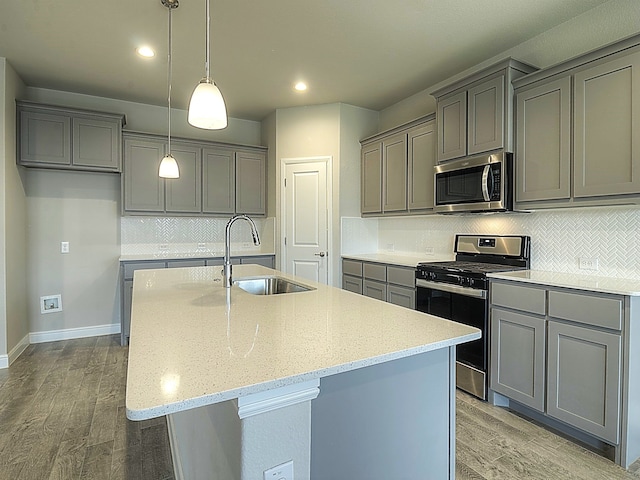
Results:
x,y
321,254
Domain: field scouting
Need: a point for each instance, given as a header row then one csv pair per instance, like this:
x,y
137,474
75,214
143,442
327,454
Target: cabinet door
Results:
x,y
218,181
421,158
518,357
184,194
486,116
606,119
251,183
584,379
96,144
143,188
394,176
543,142
371,171
452,126
45,138
352,284
373,289
403,296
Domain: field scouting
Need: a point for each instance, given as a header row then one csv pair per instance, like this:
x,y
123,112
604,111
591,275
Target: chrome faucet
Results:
x,y
226,269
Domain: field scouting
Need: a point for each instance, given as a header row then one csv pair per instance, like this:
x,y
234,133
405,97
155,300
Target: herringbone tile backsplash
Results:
x,y
558,237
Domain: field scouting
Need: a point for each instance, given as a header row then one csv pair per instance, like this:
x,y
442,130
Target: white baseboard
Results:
x,y
70,333
4,361
18,349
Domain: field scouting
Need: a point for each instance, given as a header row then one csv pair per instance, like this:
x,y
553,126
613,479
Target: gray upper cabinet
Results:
x,y
452,126
486,116
543,142
606,118
68,139
421,147
371,178
215,179
576,122
475,115
251,183
394,167
142,188
218,181
397,170
184,194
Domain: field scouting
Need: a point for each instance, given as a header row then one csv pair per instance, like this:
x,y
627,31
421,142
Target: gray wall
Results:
x,y
599,26
13,250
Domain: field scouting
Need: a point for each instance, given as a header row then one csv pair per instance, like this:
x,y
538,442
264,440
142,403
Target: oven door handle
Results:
x,y
445,287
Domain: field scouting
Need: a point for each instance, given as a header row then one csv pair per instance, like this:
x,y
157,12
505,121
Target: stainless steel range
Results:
x,y
458,291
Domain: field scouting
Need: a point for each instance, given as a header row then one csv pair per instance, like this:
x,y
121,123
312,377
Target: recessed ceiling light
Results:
x,y
146,52
300,86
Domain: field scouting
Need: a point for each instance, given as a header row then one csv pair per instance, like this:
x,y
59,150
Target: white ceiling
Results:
x,y
368,53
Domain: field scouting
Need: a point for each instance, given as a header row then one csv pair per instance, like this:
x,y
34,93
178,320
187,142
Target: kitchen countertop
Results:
x,y
195,343
592,283
398,258
190,255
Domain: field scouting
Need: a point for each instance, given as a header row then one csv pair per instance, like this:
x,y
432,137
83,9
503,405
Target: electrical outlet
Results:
x,y
246,245
429,250
201,246
391,247
64,247
588,263
280,472
163,246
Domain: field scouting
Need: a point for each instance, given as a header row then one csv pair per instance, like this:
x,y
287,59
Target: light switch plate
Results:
x,y
64,247
280,472
588,263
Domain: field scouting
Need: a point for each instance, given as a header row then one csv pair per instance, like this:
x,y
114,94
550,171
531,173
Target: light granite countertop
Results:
x,y
398,259
195,343
190,255
592,283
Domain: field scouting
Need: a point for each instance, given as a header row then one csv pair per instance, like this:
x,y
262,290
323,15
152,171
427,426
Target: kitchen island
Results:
x,y
343,385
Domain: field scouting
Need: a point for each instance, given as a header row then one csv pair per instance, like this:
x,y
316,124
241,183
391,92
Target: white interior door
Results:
x,y
305,226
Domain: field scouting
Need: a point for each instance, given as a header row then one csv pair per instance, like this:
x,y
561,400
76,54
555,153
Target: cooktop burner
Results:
x,y
466,267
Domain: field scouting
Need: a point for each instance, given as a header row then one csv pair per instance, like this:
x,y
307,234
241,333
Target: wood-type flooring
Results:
x,y
62,416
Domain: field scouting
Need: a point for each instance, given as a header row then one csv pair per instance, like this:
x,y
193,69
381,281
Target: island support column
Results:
x,y
240,439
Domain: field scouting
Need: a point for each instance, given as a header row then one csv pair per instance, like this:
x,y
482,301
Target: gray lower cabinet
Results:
x,y
561,352
215,179
397,170
68,139
518,352
389,283
127,270
584,379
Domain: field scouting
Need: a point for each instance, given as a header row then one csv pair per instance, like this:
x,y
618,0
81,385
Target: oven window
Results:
x,y
462,309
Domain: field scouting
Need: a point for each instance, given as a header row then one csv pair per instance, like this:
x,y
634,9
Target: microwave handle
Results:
x,y
485,183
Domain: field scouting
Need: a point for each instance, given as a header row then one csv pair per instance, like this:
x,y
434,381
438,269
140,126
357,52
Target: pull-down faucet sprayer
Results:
x,y
226,269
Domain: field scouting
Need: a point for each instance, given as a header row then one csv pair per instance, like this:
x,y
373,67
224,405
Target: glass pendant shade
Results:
x,y
206,108
169,167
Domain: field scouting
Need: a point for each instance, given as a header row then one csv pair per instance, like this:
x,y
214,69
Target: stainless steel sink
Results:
x,y
270,285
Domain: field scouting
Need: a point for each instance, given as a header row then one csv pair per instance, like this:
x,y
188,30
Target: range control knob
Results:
x,y
432,275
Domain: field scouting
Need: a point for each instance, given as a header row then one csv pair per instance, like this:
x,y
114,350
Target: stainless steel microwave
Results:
x,y
474,184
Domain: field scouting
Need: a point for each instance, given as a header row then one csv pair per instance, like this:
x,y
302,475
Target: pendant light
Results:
x,y
168,165
206,108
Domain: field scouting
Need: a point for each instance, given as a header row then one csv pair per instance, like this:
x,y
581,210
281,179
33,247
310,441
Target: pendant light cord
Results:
x,y
169,86
207,60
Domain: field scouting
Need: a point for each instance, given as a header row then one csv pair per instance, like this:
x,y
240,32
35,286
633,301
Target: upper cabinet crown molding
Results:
x,y
68,138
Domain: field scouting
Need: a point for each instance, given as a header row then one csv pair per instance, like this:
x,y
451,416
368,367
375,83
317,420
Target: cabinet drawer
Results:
x,y
591,310
185,263
401,276
403,296
352,284
375,271
265,261
129,268
373,289
352,267
518,297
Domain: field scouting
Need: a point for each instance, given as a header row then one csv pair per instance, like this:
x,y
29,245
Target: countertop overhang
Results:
x,y
195,343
